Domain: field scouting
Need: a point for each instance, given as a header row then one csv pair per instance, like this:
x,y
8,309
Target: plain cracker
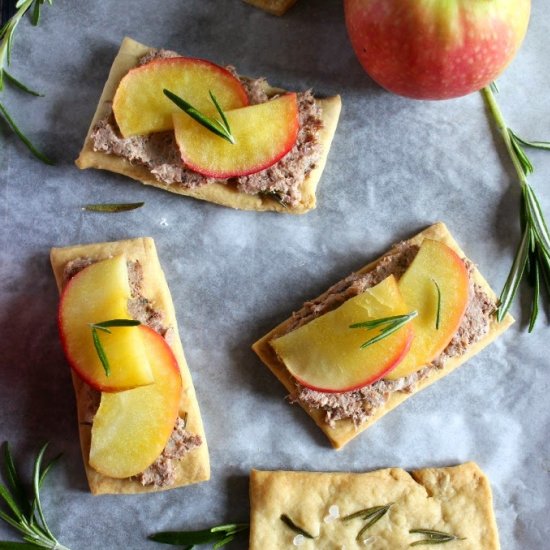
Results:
x,y
455,500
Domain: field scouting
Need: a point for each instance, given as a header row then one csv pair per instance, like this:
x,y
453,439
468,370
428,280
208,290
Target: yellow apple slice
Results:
x,y
131,428
436,265
140,106
99,293
263,134
326,354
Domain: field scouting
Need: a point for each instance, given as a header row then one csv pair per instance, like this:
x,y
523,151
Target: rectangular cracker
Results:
x,y
276,7
195,465
345,430
455,500
128,56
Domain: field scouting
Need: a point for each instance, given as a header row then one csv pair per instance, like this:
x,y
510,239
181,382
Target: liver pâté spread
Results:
x,y
359,405
160,155
162,472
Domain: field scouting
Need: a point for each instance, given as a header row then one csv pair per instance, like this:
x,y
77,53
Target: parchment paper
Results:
x,y
396,166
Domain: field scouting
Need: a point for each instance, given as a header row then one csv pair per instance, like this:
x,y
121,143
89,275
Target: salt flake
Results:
x,y
334,511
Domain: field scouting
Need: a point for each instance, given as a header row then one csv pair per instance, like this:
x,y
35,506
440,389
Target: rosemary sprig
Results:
x,y
433,537
112,207
220,128
296,528
387,326
533,253
220,535
373,515
104,326
26,514
438,312
7,33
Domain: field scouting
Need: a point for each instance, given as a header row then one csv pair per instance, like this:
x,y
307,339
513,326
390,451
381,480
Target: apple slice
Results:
x,y
434,263
326,354
263,134
100,293
131,428
140,106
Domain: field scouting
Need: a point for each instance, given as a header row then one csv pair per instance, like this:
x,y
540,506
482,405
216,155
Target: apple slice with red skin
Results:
x,y
99,293
131,428
140,106
434,263
326,354
263,134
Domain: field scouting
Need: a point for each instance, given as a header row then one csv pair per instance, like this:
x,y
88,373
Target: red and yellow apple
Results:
x,y
140,106
131,428
263,134
436,49
326,354
435,266
99,293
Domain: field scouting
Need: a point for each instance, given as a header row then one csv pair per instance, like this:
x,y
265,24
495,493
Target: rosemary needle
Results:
x,y
104,326
372,515
221,129
533,253
438,311
220,535
296,528
112,207
387,326
23,138
433,537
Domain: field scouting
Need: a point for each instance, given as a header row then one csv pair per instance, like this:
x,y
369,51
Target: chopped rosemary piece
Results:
x,y
26,514
433,537
112,207
533,253
291,525
220,535
387,325
221,129
373,515
438,312
104,326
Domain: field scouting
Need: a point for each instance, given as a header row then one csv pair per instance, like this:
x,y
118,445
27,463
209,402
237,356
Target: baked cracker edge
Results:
x,y
345,430
195,465
129,54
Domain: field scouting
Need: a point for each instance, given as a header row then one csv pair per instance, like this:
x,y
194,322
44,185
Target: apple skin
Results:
x,y
391,365
140,107
264,134
426,49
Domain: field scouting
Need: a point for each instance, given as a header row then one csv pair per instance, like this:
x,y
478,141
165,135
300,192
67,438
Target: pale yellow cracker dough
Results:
x,y
455,500
195,465
345,429
276,7
128,56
